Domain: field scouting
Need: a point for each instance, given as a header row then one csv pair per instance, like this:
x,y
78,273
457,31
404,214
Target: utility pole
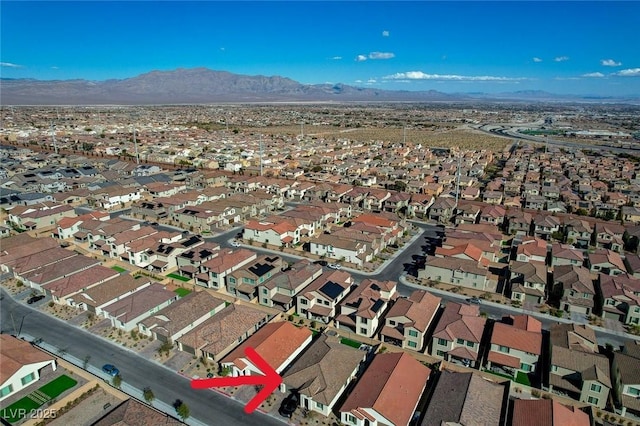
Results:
x,y
458,181
261,152
135,144
53,136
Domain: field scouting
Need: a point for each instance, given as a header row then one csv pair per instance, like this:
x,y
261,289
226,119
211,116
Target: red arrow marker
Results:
x,y
270,381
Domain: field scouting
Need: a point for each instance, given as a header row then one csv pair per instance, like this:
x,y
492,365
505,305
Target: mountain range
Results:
x,y
203,85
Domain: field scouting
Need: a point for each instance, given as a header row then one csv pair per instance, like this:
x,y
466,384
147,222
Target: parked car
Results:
x,y
321,262
289,405
110,370
235,244
474,300
34,299
334,266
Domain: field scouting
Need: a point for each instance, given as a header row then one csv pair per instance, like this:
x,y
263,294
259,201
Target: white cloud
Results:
x,y
561,58
631,72
371,81
54,68
337,58
593,74
381,55
385,33
361,58
610,63
9,65
358,81
419,75
536,59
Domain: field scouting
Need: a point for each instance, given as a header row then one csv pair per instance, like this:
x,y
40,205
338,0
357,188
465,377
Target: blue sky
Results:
x,y
561,47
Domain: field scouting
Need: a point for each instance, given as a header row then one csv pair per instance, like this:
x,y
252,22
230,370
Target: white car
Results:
x,y
334,266
235,244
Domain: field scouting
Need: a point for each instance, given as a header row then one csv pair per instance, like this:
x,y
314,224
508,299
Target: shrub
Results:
x,y
290,318
535,393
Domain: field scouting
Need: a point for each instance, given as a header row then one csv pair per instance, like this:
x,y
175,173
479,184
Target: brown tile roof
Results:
x,y
366,297
221,330
512,337
175,317
228,258
419,308
16,353
392,386
134,413
465,398
134,305
61,269
109,290
275,342
35,260
547,412
12,249
84,279
460,321
341,278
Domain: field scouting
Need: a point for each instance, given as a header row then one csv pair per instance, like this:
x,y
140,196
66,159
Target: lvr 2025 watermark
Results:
x,y
35,413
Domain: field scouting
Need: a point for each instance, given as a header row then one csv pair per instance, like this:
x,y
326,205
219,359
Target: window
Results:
x,y
28,378
363,330
413,333
503,349
363,320
352,419
525,367
595,387
593,400
264,291
392,322
442,342
554,368
319,405
460,341
6,390
470,344
265,301
633,391
440,353
412,344
303,301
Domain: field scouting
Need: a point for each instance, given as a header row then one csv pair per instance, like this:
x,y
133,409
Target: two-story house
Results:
x,y
625,377
408,320
575,285
458,334
362,310
318,301
280,290
516,345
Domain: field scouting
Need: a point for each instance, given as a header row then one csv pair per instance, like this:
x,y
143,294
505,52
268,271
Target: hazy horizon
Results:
x,y
576,48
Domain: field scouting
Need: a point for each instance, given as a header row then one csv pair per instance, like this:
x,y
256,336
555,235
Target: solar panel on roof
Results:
x,y
377,305
375,287
331,289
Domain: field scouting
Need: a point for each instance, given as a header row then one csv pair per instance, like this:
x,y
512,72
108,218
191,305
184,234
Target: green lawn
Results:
x,y
10,413
523,378
182,292
350,342
179,277
498,374
57,386
118,269
52,389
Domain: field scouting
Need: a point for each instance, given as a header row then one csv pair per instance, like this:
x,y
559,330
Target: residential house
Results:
x,y
609,236
575,285
322,373
625,377
318,301
97,297
466,399
243,282
547,412
462,272
442,210
408,320
532,249
520,222
21,365
180,317
387,393
278,343
467,213
284,286
493,214
281,233
128,311
546,226
342,249
516,345
528,282
606,261
219,334
562,254
362,310
620,297
215,270
65,287
577,369
132,412
458,334
39,277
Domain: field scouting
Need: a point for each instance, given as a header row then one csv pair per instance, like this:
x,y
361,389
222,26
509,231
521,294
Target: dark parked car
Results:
x,y
473,300
289,405
34,299
110,370
321,262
